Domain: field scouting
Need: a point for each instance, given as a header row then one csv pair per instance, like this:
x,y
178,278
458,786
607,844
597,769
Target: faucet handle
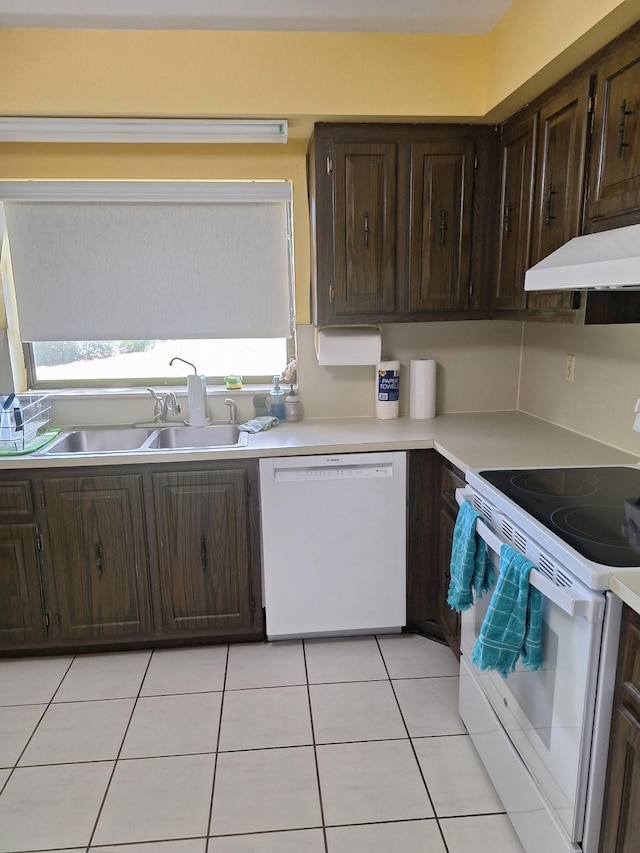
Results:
x,y
233,410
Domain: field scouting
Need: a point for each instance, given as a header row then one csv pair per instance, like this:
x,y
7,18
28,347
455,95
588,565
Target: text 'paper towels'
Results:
x,y
350,346
388,390
422,388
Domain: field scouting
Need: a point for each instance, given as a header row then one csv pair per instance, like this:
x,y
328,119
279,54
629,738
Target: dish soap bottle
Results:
x,y
277,400
292,408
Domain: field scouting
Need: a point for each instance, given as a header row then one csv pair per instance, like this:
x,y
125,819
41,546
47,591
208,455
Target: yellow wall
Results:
x,y
193,74
299,76
538,41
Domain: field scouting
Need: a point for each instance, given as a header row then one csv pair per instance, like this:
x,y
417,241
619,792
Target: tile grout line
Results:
x,y
411,744
315,750
217,752
48,705
115,763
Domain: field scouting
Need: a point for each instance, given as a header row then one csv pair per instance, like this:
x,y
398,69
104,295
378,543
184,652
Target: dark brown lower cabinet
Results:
x,y
98,555
204,559
620,831
22,614
432,482
450,479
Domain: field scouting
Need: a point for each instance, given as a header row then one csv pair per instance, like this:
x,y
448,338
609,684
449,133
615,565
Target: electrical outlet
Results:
x,y
570,368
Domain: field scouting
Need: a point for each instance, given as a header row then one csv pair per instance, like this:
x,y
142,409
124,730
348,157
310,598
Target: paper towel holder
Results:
x,y
351,329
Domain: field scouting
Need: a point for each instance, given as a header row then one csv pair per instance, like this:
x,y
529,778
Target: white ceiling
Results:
x,y
393,16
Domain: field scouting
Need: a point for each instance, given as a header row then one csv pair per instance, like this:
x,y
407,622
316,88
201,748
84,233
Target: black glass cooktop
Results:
x,y
594,510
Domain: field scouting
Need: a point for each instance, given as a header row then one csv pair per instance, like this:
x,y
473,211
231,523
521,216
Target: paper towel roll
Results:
x,y
353,345
388,390
422,388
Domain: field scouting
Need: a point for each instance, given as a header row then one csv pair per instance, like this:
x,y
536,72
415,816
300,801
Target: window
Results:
x,y
59,363
113,279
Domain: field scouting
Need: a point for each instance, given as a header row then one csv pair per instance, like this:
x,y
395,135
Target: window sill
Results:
x,y
139,393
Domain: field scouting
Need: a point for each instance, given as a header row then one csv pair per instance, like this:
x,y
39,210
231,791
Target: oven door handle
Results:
x,y
572,599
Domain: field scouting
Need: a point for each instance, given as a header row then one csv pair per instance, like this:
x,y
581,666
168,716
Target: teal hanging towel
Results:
x,y
512,628
470,571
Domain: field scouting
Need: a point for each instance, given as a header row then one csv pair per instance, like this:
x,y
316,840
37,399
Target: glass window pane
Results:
x,y
72,361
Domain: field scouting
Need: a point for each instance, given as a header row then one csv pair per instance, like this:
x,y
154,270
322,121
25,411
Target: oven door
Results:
x,y
548,714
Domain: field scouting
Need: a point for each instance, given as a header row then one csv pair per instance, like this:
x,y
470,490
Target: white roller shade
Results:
x,y
112,270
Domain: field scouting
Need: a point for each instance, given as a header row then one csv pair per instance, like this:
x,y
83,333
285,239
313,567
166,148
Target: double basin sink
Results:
x,y
139,439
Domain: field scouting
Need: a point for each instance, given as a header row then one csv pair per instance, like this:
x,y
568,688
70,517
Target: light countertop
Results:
x,y
627,587
473,440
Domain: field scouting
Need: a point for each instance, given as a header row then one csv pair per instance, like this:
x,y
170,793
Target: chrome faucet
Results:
x,y
233,410
163,404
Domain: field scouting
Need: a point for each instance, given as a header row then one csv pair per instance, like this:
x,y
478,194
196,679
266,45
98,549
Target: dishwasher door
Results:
x,y
334,544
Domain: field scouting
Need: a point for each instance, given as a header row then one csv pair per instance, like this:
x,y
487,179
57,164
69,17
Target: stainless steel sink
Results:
x,y
190,438
104,440
137,439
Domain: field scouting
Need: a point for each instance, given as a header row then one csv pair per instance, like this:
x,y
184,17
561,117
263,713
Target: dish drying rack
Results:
x,y
36,414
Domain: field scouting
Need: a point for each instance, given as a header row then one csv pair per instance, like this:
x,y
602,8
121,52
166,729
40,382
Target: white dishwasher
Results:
x,y
334,544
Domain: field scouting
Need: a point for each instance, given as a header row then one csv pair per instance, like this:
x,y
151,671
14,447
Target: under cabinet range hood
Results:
x,y
609,260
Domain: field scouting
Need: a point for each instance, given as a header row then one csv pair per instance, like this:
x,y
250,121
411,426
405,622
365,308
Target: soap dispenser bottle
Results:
x,y
276,396
292,408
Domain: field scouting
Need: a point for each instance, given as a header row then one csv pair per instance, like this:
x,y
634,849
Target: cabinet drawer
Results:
x,y
450,480
16,500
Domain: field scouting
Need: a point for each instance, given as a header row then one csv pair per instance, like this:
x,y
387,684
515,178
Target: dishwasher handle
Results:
x,y
333,467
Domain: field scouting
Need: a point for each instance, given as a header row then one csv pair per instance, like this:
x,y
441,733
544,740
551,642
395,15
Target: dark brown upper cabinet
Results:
x,y
440,225
614,184
399,224
565,155
365,229
559,184
543,153
516,202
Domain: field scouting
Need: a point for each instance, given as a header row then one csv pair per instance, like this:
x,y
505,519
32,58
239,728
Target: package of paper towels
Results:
x,y
422,388
353,345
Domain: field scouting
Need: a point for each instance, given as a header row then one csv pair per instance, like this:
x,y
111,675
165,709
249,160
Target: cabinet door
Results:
x,y
440,225
516,200
423,585
621,812
559,187
614,181
21,607
449,619
98,555
203,550
365,228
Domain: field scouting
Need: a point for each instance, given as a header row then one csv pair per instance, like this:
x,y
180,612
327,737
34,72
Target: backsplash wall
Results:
x,y
600,402
478,367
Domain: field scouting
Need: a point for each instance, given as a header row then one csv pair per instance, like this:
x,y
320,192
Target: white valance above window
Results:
x,y
206,263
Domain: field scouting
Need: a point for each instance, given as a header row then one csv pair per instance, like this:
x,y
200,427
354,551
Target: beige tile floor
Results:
x,y
322,746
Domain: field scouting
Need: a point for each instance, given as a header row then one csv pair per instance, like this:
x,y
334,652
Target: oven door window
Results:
x,y
548,713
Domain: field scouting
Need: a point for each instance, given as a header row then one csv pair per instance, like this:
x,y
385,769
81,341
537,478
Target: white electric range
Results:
x,y
543,735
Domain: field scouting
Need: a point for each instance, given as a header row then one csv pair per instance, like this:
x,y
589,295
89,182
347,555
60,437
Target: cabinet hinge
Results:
x,y
329,164
470,288
42,500
475,162
591,103
39,541
332,293
47,618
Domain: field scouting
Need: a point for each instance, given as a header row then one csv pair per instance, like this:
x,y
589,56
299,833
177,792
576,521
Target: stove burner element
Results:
x,y
557,483
604,525
595,511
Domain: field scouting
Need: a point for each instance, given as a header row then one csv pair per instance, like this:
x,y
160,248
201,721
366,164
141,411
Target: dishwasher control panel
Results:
x,y
347,472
